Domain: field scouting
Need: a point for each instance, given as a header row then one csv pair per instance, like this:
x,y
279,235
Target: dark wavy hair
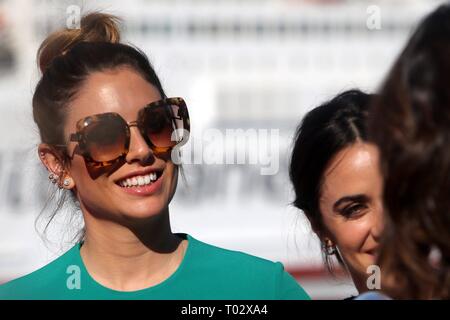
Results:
x,y
410,123
323,132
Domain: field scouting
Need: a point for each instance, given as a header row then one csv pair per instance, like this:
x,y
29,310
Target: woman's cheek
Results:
x,y
355,234
172,180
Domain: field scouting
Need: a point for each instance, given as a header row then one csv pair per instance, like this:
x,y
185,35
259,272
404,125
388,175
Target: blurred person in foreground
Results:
x,y
410,123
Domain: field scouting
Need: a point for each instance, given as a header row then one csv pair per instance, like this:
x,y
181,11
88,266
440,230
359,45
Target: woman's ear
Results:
x,y
318,229
323,234
327,239
52,160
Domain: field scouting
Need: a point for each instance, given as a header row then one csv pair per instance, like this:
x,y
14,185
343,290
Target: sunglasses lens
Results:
x,y
106,139
161,123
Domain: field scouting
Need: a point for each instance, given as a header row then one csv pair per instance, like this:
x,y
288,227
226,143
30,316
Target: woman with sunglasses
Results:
x,y
108,134
337,183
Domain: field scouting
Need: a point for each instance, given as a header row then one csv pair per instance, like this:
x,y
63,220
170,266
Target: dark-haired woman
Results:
x,y
337,184
108,131
410,123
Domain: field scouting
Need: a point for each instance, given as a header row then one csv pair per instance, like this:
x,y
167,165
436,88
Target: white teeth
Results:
x,y
139,180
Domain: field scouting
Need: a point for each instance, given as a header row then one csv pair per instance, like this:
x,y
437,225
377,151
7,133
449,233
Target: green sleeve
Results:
x,y
287,286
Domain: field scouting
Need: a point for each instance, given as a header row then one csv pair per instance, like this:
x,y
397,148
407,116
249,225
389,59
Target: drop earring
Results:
x,y
329,248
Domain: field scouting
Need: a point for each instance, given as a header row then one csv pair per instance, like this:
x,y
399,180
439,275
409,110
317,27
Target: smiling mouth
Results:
x,y
372,252
140,180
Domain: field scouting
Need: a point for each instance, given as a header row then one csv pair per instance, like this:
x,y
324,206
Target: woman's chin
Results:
x,y
368,260
372,257
146,208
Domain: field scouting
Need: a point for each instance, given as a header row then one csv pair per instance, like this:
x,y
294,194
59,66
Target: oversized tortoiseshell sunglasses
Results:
x,y
104,139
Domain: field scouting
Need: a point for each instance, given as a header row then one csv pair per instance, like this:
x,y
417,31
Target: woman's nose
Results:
x,y
378,224
138,150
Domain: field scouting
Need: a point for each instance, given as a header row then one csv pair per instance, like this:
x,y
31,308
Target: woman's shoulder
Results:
x,y
229,258
42,280
372,295
244,269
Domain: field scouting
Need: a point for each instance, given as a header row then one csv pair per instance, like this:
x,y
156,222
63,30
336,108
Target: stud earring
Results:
x,y
53,177
66,182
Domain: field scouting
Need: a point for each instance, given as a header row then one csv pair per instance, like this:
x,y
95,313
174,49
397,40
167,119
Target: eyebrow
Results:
x,y
352,198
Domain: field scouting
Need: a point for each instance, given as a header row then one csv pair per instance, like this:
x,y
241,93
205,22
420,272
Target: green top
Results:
x,y
206,272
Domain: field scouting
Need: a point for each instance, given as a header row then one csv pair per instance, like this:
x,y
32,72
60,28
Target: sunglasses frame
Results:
x,y
80,137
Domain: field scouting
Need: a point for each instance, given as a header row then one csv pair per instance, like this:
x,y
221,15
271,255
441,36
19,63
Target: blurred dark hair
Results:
x,y
323,132
410,123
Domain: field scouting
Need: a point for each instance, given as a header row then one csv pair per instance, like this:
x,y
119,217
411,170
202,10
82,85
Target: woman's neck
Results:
x,y
127,258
